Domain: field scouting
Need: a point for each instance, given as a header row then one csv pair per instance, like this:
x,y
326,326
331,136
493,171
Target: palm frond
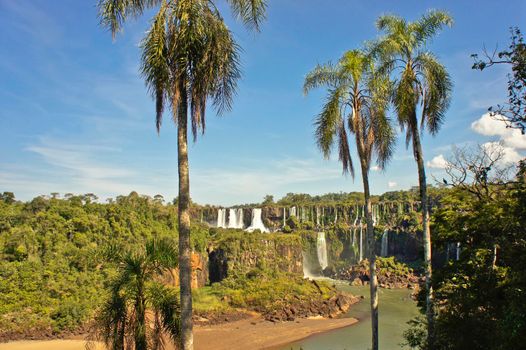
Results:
x,y
322,75
162,253
251,12
154,62
113,13
344,152
328,121
390,23
437,94
430,24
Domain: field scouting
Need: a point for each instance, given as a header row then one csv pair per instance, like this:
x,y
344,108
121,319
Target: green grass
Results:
x,y
207,299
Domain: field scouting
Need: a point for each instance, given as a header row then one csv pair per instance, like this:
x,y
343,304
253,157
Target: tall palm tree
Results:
x,y
422,95
189,56
140,309
357,102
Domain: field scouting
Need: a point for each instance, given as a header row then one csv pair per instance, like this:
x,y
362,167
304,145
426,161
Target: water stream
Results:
x,y
395,309
321,249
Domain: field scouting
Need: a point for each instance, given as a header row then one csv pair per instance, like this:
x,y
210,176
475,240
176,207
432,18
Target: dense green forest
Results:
x,y
480,297
55,271
51,272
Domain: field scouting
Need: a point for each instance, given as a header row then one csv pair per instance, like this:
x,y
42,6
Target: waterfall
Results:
x,y
361,241
239,220
385,244
284,217
317,217
292,211
321,247
458,251
221,218
235,218
257,223
232,219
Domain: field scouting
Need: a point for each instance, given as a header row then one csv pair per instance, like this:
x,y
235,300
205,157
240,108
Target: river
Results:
x,y
395,309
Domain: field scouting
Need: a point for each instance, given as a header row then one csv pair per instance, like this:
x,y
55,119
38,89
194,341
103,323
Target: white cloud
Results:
x,y
438,162
492,126
392,184
509,155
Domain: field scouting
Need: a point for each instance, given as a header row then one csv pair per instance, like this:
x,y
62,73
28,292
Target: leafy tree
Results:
x,y
357,102
481,295
140,309
420,80
268,200
188,57
7,197
513,112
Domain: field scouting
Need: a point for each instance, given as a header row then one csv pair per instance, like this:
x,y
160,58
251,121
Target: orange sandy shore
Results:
x,y
253,332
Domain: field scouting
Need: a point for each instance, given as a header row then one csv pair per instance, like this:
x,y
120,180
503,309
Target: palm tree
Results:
x,y
357,102
422,95
140,309
189,56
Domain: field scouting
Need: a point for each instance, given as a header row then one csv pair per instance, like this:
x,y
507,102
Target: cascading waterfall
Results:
x,y
385,244
240,223
284,217
361,241
317,217
292,211
257,222
221,218
321,248
232,219
235,218
458,251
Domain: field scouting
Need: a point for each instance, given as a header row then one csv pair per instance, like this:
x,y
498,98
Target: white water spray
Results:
x,y
257,222
321,248
385,244
361,241
221,218
235,218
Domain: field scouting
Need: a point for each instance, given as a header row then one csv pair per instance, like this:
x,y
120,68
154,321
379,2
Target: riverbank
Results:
x,y
254,332
396,308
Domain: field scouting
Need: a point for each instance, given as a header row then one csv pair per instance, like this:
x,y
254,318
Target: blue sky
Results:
x,y
76,116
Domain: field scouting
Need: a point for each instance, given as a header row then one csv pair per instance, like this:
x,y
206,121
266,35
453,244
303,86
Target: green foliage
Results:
x,y
513,112
51,268
481,296
139,307
357,100
293,222
266,290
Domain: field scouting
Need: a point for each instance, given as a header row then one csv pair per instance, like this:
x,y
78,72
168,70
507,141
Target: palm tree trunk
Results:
x,y
373,283
140,326
185,268
419,157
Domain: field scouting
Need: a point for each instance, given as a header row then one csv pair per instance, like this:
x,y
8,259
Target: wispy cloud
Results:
x,y
28,18
246,183
77,168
